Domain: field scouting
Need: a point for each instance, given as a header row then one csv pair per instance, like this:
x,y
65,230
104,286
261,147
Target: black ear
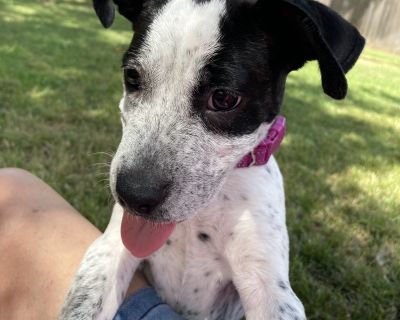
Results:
x,y
325,36
105,10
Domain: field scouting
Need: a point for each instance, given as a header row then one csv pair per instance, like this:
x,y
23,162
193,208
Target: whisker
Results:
x,y
101,164
108,154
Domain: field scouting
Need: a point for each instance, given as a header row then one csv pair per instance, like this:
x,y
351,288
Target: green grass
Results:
x,y
59,89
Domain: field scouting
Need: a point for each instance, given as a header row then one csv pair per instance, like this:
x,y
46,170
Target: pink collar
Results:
x,y
261,154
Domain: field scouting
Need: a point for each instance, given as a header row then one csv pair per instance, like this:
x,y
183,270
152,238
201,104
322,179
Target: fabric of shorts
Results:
x,y
145,304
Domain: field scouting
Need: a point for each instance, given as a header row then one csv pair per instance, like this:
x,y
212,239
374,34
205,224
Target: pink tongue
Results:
x,y
142,237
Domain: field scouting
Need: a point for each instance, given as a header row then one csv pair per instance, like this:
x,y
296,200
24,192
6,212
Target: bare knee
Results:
x,y
14,175
12,180
13,184
25,199
14,210
12,219
43,240
22,191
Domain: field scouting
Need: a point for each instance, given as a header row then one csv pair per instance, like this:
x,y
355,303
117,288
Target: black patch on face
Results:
x,y
261,42
245,64
248,64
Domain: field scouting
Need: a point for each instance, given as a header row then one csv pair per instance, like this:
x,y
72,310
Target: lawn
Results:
x,y
60,83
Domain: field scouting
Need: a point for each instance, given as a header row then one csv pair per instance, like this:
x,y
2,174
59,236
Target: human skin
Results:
x,y
42,241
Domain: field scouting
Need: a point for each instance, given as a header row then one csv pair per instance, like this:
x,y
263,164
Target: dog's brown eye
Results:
x,y
132,79
222,100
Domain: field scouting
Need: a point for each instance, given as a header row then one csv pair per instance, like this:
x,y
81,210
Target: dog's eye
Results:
x,y
132,79
223,100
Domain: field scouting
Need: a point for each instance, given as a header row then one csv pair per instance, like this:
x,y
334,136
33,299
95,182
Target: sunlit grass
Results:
x,y
60,83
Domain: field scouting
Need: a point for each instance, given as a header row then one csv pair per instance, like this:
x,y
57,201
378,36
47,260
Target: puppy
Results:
x,y
203,85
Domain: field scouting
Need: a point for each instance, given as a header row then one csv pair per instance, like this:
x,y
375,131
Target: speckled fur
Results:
x,y
245,253
233,241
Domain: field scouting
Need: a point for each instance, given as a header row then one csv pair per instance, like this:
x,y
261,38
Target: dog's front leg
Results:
x,y
257,252
103,277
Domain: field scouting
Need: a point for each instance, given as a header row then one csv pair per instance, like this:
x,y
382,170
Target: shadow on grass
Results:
x,y
59,90
345,264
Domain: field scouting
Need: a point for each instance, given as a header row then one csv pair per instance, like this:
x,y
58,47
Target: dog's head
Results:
x,y
203,80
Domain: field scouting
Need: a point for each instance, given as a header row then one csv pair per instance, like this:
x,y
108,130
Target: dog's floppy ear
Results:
x,y
321,34
105,10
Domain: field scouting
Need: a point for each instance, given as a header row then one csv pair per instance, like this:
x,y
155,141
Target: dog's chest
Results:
x,y
190,272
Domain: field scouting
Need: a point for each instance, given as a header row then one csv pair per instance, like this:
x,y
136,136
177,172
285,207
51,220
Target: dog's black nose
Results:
x,y
141,191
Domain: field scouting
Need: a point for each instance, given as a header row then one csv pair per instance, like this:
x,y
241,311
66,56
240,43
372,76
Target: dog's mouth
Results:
x,y
143,237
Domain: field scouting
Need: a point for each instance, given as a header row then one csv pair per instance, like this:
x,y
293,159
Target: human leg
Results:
x,y
42,241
